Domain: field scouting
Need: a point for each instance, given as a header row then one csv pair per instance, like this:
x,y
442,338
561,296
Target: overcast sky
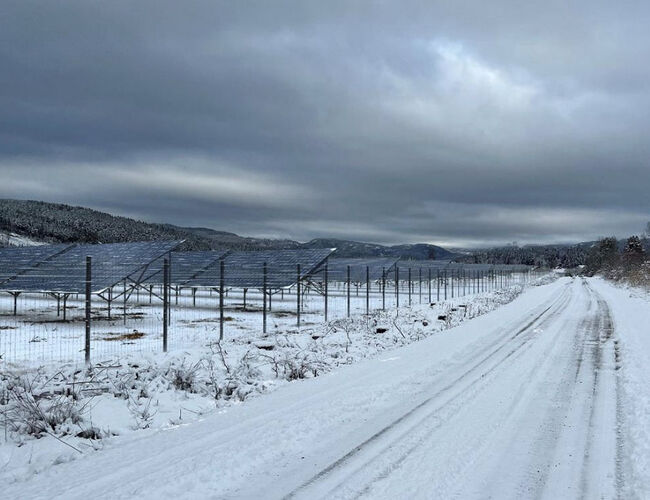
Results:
x,y
463,124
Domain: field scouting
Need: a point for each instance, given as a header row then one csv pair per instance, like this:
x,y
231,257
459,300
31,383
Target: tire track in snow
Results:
x,y
495,348
585,460
605,358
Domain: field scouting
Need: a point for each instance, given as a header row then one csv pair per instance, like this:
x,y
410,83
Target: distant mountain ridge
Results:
x,y
40,221
347,248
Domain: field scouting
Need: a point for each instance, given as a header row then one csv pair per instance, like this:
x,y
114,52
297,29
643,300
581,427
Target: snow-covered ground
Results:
x,y
16,240
630,310
545,396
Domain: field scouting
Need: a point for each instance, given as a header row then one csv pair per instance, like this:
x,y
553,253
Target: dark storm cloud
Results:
x,y
462,123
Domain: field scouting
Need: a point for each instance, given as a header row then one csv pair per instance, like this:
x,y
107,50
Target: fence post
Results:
x,y
169,293
88,304
165,301
429,288
326,276
437,285
367,290
420,284
383,288
409,287
397,286
222,284
264,277
452,283
298,295
348,283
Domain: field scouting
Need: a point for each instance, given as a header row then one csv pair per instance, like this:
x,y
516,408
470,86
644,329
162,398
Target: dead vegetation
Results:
x,y
135,335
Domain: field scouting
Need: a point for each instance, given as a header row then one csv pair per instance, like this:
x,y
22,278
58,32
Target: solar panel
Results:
x,y
424,264
246,269
184,266
337,268
111,264
511,267
17,260
477,267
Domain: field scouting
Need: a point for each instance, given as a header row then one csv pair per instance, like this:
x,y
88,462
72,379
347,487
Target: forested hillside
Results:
x,y
565,256
50,222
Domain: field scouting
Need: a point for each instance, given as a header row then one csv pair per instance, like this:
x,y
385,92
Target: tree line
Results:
x,y
629,263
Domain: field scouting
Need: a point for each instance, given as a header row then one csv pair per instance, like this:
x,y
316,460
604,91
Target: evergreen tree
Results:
x,y
634,254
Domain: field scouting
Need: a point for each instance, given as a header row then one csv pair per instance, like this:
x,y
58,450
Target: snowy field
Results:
x,y
516,395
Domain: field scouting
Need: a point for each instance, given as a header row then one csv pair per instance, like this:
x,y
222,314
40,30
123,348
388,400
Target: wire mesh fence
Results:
x,y
91,305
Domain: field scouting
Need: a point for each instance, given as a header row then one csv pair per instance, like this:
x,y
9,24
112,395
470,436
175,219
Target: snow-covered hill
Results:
x,y
8,239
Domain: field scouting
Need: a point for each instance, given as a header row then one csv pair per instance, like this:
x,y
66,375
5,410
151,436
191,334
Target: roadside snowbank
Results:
x,y
630,309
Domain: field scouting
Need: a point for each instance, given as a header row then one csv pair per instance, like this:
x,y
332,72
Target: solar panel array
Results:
x,y
377,268
111,264
184,266
477,267
17,260
61,268
511,267
246,269
454,267
424,264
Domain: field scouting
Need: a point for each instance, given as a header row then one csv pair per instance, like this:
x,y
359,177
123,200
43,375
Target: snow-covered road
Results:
x,y
531,414
523,402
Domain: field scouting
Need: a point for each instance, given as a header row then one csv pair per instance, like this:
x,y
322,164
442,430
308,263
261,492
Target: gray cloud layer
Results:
x,y
463,123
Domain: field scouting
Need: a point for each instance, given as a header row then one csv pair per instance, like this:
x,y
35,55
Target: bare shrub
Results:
x,y
32,408
184,378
